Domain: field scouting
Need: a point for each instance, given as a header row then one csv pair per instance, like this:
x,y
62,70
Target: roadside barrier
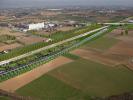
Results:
x,y
43,60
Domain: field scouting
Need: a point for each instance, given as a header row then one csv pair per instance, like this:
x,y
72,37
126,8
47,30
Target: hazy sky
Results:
x,y
49,3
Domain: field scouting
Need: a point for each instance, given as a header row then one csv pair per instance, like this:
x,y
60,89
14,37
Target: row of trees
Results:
x,y
65,35
49,54
125,32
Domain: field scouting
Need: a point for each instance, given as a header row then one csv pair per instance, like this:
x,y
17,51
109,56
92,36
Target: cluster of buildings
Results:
x,y
37,26
106,11
49,26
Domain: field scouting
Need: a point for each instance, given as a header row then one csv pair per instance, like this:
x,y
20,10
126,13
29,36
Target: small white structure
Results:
x,y
48,40
5,51
49,25
130,21
36,26
4,63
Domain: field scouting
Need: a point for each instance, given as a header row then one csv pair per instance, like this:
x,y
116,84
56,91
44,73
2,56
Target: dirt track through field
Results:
x,y
15,83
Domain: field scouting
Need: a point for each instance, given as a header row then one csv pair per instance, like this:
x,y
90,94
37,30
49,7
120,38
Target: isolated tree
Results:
x,y
122,33
126,32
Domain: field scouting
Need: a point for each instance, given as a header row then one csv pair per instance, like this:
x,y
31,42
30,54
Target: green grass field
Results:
x,y
4,98
80,79
60,35
71,56
49,88
102,43
5,38
130,26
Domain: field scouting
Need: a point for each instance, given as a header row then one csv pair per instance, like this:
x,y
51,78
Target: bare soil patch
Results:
x,y
8,31
30,39
126,38
117,34
122,48
10,46
43,32
15,83
22,37
65,28
2,18
95,56
1,44
49,13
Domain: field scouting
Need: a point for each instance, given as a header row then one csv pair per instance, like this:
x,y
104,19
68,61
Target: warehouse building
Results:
x,y
36,26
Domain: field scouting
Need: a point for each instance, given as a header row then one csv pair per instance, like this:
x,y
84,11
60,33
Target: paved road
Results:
x,y
119,23
127,19
50,46
55,54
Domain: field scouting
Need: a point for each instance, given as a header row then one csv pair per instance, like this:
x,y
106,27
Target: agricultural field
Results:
x,y
111,49
8,42
31,40
81,79
34,61
102,67
102,43
60,34
91,74
10,46
129,27
7,38
11,40
4,98
55,37
45,33
65,28
54,89
71,56
8,31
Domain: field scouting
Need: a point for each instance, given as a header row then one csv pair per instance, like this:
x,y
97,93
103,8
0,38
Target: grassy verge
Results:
x,y
102,43
64,35
71,56
129,26
4,98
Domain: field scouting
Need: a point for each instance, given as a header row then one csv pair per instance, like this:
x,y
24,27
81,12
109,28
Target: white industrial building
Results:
x,y
36,26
